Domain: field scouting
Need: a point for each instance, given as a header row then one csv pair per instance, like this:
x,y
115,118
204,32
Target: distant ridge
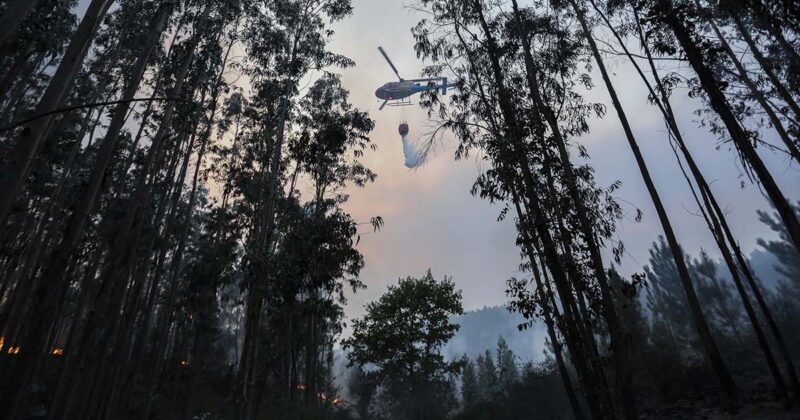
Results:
x,y
481,328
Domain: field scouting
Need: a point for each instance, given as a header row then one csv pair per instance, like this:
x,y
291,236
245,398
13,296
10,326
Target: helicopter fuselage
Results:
x,y
399,90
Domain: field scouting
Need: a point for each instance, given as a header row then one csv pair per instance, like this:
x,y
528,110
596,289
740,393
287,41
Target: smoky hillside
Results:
x,y
480,329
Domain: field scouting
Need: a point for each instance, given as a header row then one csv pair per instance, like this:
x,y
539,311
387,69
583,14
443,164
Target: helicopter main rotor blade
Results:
x,y
390,63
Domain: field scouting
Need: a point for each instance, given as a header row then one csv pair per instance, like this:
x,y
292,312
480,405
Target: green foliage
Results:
x,y
673,330
205,283
722,309
786,299
488,383
398,344
470,387
504,390
666,301
506,365
782,247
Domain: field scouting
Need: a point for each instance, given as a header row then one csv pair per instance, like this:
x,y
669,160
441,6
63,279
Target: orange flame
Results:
x,y
14,350
57,351
321,395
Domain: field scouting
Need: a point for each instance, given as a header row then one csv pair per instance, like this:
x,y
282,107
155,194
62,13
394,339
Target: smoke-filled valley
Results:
x,y
592,209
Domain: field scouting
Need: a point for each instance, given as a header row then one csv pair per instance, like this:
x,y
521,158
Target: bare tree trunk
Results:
x,y
17,165
572,328
711,350
762,61
619,342
528,245
715,212
773,118
722,108
50,283
594,394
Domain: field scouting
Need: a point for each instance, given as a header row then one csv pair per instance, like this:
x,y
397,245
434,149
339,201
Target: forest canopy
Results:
x,y
176,239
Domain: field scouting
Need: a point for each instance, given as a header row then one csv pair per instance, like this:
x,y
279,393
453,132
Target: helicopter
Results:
x,y
398,93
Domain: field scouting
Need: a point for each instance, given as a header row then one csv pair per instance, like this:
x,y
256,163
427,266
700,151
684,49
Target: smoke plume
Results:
x,y
411,154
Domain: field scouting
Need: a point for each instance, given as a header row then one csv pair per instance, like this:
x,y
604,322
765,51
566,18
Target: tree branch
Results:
x,y
89,105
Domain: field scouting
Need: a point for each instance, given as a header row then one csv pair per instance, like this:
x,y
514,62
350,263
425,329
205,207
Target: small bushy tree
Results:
x,y
398,344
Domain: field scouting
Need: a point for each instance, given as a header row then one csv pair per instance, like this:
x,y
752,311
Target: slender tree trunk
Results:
x,y
577,412
255,299
780,385
711,350
550,252
16,166
572,327
177,263
767,68
759,96
51,281
624,391
710,202
722,108
713,224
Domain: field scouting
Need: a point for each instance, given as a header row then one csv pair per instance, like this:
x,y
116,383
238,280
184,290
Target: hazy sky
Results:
x,y
433,222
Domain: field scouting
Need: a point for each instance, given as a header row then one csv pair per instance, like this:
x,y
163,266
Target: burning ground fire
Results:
x,y
335,401
58,351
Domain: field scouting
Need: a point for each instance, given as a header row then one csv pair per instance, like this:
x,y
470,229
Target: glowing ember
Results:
x,y
57,351
321,395
2,342
14,350
184,363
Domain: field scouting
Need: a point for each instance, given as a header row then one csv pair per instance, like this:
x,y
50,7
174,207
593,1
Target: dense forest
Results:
x,y
158,259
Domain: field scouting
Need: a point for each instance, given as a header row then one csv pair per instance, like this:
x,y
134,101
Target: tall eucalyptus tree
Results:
x,y
17,164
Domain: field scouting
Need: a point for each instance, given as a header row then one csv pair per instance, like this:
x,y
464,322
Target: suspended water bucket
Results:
x,y
403,128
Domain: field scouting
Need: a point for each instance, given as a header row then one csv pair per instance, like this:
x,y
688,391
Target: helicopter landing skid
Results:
x,y
400,102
